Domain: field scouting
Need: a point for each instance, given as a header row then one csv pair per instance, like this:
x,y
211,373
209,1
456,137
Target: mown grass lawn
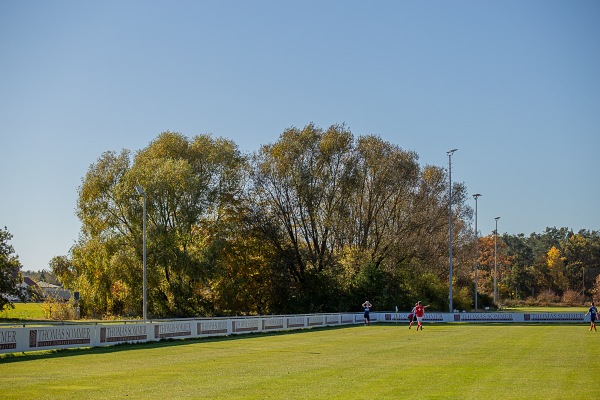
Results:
x,y
444,361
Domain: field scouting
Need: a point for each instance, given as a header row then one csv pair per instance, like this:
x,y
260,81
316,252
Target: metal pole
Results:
x,y
144,288
476,196
450,219
142,193
496,262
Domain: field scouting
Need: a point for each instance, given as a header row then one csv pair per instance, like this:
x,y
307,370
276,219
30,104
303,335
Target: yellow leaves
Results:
x,y
168,145
336,140
58,309
554,259
434,176
556,264
119,290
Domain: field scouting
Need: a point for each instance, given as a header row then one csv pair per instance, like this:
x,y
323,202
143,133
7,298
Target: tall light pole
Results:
x,y
450,152
496,262
476,196
144,305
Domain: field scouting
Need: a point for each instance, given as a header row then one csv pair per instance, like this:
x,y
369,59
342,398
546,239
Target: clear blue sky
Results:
x,y
514,85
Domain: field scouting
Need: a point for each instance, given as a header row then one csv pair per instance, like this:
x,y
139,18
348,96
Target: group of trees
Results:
x,y
317,222
555,266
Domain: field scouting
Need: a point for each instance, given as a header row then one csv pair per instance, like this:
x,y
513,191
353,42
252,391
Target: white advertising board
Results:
x,y
22,338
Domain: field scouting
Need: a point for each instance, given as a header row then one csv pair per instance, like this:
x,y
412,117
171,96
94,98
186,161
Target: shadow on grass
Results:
x,y
163,343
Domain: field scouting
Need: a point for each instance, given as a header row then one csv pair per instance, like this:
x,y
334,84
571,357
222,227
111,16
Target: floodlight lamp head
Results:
x,y
476,195
450,152
139,190
497,218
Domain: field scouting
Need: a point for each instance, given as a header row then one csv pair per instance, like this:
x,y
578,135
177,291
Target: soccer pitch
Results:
x,y
381,361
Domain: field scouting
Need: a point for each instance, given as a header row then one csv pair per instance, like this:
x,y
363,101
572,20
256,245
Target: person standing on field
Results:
x,y
419,312
367,307
411,316
593,311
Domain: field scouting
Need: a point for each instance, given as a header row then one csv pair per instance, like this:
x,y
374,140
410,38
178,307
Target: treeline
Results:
x,y
557,266
317,222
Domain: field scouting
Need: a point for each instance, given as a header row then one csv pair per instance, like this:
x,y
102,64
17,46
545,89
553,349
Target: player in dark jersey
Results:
x,y
593,311
367,307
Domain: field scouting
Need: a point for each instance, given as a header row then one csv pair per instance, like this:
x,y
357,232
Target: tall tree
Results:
x,y
10,276
582,258
556,265
520,280
356,217
492,264
189,186
304,181
375,228
380,209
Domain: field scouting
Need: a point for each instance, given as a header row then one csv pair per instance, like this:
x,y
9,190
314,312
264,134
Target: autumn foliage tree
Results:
x,y
190,186
493,264
558,265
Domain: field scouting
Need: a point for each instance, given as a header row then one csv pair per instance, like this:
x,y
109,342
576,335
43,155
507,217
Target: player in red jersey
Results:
x,y
412,317
419,312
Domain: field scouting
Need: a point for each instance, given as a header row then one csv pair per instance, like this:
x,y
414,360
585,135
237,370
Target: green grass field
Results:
x,y
383,361
23,311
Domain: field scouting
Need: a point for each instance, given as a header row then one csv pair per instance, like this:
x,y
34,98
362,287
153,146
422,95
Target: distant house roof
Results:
x,y
46,285
47,289
29,282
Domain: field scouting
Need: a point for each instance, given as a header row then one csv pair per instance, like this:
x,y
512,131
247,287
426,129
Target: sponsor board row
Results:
x,y
22,339
492,317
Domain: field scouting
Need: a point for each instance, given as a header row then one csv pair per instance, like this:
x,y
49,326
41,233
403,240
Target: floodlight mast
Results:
x,y
450,152
141,192
476,196
496,262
